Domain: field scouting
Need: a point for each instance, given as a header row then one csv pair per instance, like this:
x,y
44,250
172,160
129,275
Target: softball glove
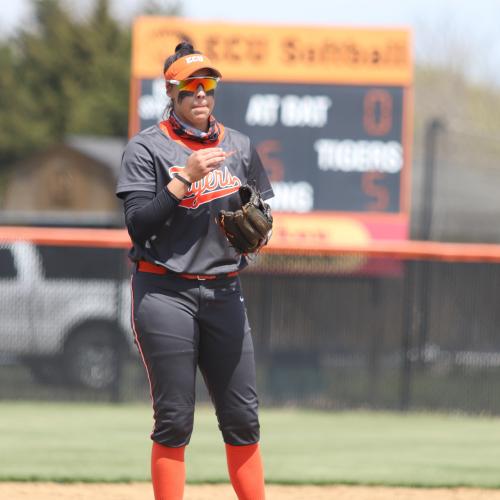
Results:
x,y
249,228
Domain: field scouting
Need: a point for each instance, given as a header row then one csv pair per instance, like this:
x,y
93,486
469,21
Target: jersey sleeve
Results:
x,y
258,175
137,171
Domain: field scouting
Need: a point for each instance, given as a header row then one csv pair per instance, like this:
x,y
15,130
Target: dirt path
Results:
x,y
141,491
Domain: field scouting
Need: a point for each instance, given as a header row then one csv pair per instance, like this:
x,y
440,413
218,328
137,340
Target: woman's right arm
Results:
x,y
146,213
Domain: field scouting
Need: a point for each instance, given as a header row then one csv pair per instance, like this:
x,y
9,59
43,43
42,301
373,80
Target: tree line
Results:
x,y
64,75
70,75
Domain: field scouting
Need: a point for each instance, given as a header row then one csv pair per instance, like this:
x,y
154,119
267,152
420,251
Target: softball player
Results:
x,y
187,307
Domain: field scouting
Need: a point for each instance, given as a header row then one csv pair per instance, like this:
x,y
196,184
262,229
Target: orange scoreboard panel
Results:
x,y
328,108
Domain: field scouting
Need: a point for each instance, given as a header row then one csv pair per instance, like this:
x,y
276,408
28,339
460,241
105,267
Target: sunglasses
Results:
x,y
191,84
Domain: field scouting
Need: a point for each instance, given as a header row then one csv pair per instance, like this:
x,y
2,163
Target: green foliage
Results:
x,y
65,75
70,75
19,129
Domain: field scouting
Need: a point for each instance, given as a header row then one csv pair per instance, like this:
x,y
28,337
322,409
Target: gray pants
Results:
x,y
180,324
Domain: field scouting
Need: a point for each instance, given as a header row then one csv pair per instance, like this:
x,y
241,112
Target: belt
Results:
x,y
148,267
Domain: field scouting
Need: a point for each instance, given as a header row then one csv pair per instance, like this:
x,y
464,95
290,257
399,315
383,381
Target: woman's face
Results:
x,y
194,108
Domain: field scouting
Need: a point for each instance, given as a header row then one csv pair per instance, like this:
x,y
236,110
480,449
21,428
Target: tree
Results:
x,y
162,7
65,75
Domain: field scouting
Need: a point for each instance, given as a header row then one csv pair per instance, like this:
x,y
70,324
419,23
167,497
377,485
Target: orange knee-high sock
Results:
x,y
168,472
245,471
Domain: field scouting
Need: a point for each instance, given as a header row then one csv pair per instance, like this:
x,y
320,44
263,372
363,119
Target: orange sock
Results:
x,y
245,471
168,472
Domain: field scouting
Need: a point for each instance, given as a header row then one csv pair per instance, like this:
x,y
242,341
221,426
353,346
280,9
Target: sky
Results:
x,y
469,29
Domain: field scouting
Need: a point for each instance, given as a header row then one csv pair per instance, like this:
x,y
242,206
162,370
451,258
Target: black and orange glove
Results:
x,y
249,228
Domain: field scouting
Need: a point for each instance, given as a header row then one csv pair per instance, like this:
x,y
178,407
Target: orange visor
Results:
x,y
187,65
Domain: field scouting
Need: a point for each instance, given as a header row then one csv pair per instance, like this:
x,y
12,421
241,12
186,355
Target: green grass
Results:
x,y
99,442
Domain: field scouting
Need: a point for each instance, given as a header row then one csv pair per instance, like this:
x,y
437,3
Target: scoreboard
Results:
x,y
327,108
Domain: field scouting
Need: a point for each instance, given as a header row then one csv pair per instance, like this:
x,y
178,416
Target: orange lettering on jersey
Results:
x,y
217,184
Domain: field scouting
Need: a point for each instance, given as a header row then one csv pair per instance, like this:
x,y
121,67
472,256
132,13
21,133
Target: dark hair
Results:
x,y
182,49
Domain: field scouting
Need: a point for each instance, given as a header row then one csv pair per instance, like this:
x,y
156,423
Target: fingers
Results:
x,y
203,161
212,158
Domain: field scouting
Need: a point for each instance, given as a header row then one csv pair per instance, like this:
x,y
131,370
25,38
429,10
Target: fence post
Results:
x,y
415,307
417,294
434,128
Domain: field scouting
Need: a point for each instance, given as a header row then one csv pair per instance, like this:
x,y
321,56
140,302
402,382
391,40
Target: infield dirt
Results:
x,y
142,491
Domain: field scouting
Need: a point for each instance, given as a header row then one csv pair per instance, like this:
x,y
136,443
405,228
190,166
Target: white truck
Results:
x,y
62,316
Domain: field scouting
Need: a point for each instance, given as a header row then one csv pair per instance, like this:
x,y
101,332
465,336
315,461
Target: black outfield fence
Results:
x,y
406,325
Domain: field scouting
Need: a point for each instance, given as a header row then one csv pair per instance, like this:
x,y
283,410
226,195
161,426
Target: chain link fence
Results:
x,y
349,331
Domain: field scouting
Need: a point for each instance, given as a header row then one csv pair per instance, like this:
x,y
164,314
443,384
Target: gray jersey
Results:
x,y
190,240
